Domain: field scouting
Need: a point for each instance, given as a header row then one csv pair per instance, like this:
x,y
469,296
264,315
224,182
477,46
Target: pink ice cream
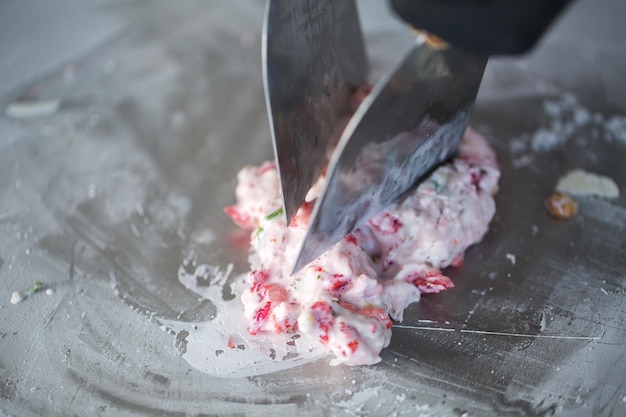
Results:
x,y
348,297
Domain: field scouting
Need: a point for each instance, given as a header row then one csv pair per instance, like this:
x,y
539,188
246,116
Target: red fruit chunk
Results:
x,y
323,315
260,318
241,219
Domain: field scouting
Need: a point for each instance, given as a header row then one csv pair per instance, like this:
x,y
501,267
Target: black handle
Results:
x,y
491,27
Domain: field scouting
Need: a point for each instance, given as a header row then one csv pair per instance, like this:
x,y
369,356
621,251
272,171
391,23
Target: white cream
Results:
x,y
347,297
579,182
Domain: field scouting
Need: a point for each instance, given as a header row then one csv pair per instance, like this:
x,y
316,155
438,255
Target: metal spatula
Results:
x,y
313,59
412,121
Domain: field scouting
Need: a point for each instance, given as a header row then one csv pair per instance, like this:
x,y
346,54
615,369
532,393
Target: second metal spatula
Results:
x,y
413,120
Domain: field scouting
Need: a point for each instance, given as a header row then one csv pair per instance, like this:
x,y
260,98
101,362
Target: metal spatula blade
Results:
x,y
313,58
412,121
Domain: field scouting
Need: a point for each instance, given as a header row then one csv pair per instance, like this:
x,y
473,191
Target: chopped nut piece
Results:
x,y
562,206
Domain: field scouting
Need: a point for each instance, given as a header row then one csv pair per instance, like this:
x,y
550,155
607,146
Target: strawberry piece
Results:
x,y
260,318
433,283
323,315
338,282
241,219
388,224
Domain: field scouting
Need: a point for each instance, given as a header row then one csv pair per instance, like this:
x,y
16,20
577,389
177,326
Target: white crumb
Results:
x,y
535,229
545,139
616,126
568,120
16,297
32,108
582,116
511,258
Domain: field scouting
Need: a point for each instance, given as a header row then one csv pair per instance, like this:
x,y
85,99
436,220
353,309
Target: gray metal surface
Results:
x,y
313,59
412,121
107,197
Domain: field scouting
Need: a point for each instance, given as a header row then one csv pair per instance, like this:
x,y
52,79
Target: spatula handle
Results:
x,y
491,27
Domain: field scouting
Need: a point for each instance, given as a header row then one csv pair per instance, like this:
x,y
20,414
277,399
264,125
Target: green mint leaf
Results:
x,y
34,289
275,213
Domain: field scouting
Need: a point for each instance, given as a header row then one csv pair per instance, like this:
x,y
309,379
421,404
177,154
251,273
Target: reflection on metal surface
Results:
x,y
492,333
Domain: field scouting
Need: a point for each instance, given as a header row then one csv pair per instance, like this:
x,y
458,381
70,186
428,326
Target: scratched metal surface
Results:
x,y
162,103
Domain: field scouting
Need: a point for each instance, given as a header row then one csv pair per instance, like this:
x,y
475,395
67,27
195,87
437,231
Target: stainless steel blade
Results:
x,y
313,58
413,120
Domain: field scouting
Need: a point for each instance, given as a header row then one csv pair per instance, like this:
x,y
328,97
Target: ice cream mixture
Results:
x,y
347,298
